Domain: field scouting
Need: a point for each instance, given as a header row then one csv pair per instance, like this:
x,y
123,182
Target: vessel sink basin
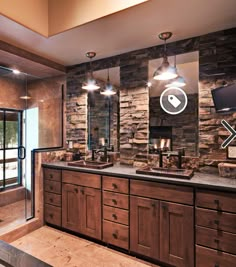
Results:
x,y
168,173
90,164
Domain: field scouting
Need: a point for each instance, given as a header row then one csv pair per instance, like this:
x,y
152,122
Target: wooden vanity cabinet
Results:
x,y
81,204
160,228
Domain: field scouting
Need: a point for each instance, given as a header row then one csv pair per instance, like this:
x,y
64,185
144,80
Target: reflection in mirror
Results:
x,y
103,117
174,132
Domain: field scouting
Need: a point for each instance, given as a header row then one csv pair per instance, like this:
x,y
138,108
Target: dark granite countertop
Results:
x,y
201,180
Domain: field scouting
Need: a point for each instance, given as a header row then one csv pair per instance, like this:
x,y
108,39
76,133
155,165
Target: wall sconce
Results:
x,y
165,71
90,84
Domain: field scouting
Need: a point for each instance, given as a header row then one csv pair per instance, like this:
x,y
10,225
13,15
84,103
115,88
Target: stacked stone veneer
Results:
x,y
134,123
184,125
216,55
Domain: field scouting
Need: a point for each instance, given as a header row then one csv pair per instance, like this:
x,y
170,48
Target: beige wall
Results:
x,y
82,11
32,14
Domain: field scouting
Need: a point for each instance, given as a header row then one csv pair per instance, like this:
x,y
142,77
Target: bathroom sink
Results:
x,y
90,164
168,173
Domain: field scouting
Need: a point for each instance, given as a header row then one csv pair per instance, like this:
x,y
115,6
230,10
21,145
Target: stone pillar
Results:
x,y
134,123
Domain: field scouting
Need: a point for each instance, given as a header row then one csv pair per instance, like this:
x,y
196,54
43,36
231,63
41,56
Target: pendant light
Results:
x,y
90,84
108,90
165,71
179,81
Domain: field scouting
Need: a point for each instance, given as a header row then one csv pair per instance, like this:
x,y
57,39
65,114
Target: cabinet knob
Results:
x,y
216,222
50,176
217,265
76,190
51,187
51,199
82,191
216,240
153,205
115,235
51,215
114,186
114,201
114,216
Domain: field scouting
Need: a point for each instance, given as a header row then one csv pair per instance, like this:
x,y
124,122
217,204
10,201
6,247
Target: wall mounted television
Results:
x,y
224,98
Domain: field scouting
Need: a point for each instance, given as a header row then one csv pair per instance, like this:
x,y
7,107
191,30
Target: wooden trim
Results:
x,y
28,55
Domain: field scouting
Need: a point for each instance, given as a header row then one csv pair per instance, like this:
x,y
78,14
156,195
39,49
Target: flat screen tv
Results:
x,y
224,98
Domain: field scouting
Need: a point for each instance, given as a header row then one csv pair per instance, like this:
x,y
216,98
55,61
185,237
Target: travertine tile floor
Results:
x,y
61,249
11,216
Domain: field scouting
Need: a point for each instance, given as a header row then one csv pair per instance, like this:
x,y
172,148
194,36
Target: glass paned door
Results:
x,y
11,149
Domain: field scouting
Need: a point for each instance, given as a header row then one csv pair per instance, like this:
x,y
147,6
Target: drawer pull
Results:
x,y
115,235
82,191
114,201
114,216
51,215
217,202
216,222
114,186
216,240
51,199
50,176
217,265
153,205
76,190
51,187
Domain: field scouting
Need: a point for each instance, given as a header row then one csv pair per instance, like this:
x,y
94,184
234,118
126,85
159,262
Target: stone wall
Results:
x,y
216,56
184,125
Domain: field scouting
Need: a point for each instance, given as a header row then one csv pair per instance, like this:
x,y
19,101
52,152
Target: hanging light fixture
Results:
x,y
165,71
109,89
179,81
90,83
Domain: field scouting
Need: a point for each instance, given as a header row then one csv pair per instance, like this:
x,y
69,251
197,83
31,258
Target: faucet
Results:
x,y
169,154
96,151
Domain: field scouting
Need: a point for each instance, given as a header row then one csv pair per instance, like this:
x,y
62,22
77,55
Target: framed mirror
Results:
x,y
173,132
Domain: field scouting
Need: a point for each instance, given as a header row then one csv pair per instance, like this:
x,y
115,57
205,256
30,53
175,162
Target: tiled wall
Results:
x,y
216,55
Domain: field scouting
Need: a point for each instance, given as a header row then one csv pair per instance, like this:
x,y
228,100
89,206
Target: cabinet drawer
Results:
x,y
216,239
116,215
114,184
52,174
206,257
52,214
216,200
116,234
116,200
174,193
81,178
216,220
52,199
52,186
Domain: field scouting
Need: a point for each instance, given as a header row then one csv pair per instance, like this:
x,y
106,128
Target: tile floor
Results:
x,y
61,249
11,216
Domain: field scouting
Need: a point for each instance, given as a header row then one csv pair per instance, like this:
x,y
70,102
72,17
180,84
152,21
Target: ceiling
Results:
x,y
130,29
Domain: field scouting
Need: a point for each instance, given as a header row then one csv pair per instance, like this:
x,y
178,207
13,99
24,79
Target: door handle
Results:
x,y
21,152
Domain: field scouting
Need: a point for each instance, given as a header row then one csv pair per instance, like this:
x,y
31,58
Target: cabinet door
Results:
x,y
176,234
144,226
71,215
90,200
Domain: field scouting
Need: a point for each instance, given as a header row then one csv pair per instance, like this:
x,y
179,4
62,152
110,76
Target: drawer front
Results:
x,y
206,257
116,215
52,214
216,200
114,184
52,174
52,186
216,239
115,200
81,178
216,220
175,193
116,234
52,199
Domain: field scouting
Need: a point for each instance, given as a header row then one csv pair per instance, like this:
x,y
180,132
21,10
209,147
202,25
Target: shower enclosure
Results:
x,y
30,118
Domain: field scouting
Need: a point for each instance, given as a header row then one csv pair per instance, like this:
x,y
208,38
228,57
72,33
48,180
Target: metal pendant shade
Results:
x,y
165,71
177,82
109,89
90,84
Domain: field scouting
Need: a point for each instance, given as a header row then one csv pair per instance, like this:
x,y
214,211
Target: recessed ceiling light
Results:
x,y
16,71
